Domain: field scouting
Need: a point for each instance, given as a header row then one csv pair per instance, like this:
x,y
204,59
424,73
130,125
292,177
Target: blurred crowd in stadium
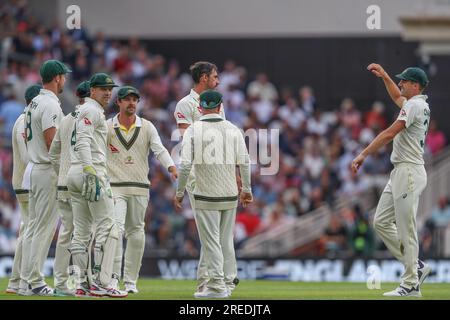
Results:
x,y
316,147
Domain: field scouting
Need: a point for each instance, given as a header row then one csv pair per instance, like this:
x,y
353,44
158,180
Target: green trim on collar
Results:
x,y
212,120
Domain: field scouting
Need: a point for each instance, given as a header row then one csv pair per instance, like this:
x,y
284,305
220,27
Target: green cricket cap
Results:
x,y
83,89
31,92
210,99
102,80
414,74
126,91
51,68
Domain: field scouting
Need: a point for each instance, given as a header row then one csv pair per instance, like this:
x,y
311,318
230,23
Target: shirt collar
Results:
x,y
95,103
194,95
116,123
49,93
211,116
420,96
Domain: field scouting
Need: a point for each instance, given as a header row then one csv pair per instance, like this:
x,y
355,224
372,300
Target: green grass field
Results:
x,y
156,289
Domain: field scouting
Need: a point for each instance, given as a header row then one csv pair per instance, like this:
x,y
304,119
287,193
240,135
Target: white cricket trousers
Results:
x,y
216,230
41,224
62,255
129,215
395,217
14,280
202,270
85,215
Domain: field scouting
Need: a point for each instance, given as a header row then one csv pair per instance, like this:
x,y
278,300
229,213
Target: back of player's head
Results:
x,y
200,68
83,89
51,68
210,99
31,92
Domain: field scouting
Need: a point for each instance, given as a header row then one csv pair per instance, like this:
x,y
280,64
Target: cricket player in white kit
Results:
x,y
130,140
395,217
42,117
214,146
60,157
20,162
188,111
91,193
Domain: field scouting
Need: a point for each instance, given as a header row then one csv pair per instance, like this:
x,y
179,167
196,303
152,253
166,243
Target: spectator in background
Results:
x,y
435,140
350,118
307,100
247,224
262,88
440,216
10,110
361,236
375,118
334,239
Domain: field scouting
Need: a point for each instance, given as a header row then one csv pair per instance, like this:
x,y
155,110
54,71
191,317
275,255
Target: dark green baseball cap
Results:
x,y
414,74
83,89
210,99
51,68
31,92
126,91
102,80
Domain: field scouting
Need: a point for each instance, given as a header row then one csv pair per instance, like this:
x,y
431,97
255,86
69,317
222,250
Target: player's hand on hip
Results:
x,y
246,198
376,69
91,185
173,172
357,162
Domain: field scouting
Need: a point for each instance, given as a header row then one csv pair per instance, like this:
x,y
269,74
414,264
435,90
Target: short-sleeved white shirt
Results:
x,y
409,143
42,113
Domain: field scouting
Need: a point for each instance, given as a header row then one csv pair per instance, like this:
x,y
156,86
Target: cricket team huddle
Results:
x,y
91,174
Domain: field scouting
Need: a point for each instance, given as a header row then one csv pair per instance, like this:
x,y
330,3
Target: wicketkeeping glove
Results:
x,y
91,185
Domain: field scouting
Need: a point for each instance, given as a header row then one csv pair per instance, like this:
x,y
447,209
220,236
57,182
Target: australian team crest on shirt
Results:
x,y
129,160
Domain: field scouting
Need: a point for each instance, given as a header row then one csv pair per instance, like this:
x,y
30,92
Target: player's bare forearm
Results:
x,y
381,140
393,90
185,169
49,134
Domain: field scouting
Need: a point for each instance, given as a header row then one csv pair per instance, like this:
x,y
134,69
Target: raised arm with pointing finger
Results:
x,y
391,86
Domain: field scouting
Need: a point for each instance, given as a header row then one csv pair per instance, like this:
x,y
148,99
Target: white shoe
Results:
x,y
45,290
82,291
232,286
97,290
404,292
201,287
24,289
130,288
114,284
423,271
64,292
210,294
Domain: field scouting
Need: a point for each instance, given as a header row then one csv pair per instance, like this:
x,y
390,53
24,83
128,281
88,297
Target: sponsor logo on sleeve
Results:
x,y
87,121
